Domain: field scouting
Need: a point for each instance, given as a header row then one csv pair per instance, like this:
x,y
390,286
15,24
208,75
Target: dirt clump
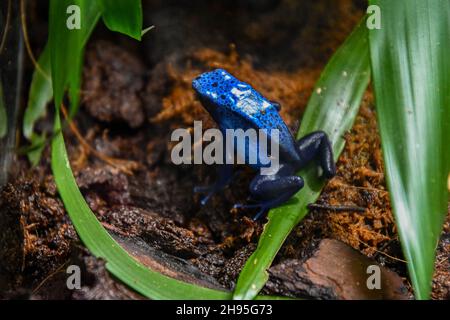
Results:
x,y
112,81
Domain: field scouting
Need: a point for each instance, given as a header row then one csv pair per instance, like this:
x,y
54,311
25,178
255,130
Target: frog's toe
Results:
x,y
263,208
261,213
206,198
246,206
201,189
209,191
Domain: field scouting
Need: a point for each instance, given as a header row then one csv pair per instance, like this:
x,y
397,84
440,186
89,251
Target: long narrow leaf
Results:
x,y
410,59
41,93
67,39
36,148
332,108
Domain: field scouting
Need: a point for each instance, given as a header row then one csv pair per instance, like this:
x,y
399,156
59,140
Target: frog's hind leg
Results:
x,y
272,191
224,177
316,145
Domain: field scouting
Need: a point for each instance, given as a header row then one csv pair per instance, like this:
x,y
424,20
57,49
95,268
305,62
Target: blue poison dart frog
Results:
x,y
234,104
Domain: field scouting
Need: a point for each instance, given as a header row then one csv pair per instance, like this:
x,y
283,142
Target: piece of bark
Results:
x,y
167,264
334,271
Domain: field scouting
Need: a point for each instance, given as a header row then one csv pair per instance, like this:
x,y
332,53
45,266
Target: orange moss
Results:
x,y
360,182
181,108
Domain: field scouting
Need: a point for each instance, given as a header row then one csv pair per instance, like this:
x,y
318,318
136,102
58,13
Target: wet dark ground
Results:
x,y
134,96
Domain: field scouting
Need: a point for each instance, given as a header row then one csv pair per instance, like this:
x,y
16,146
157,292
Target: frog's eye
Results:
x,y
276,105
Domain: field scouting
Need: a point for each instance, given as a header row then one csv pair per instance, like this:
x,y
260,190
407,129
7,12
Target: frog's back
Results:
x,y
236,105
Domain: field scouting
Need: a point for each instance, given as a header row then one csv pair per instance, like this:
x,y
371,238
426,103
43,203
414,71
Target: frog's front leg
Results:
x,y
273,190
316,145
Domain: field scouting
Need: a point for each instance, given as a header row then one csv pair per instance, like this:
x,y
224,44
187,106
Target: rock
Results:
x,y
334,271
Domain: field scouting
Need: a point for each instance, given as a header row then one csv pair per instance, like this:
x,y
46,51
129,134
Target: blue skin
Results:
x,y
234,104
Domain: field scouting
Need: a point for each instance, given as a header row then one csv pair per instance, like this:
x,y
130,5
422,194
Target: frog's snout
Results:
x,y
196,83
200,85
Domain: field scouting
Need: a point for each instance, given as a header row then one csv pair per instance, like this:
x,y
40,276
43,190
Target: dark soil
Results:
x,y
134,96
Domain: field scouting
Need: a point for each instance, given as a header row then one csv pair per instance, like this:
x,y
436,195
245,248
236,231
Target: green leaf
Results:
x,y
145,281
37,146
67,41
332,108
3,115
41,93
124,16
410,59
65,50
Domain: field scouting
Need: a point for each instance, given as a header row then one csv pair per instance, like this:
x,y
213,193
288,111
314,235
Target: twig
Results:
x,y
315,206
442,261
125,166
49,276
381,252
27,41
364,188
5,33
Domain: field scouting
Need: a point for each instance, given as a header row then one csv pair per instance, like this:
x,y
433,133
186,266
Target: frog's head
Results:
x,y
222,94
216,89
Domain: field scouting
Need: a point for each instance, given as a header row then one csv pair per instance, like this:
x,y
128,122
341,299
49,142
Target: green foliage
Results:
x,y
34,152
411,76
67,47
65,50
123,16
41,93
332,108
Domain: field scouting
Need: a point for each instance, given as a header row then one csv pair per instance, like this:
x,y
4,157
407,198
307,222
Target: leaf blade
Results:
x,y
124,16
67,46
340,87
36,148
40,94
412,84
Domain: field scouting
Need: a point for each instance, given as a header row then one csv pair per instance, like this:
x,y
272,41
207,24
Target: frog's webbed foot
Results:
x,y
262,208
225,175
272,191
316,145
